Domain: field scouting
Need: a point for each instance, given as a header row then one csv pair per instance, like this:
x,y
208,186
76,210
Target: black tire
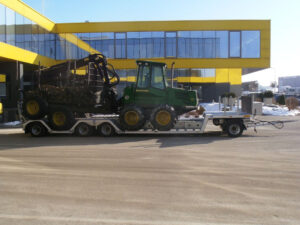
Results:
x,y
132,118
60,118
163,118
37,129
34,107
84,130
234,128
106,130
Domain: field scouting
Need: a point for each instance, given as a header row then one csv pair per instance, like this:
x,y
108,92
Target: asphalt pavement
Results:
x,y
152,179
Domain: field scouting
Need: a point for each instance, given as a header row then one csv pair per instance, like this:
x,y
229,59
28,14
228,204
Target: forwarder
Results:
x,y
59,96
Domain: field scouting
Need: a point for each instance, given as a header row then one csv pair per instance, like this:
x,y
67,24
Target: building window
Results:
x,y
235,44
133,45
146,45
158,44
171,44
185,44
10,26
221,44
250,44
2,23
120,43
20,30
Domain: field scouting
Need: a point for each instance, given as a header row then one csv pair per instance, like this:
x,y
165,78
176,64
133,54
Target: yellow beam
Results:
x,y
25,10
196,63
19,54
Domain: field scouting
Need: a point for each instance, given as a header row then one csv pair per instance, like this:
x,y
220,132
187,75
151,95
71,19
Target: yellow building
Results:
x,y
209,56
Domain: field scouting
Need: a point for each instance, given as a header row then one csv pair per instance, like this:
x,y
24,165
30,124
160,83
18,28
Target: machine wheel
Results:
x,y
60,118
83,130
163,118
106,130
234,128
132,118
35,107
37,129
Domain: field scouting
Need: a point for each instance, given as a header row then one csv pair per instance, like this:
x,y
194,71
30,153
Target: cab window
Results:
x,y
157,78
144,76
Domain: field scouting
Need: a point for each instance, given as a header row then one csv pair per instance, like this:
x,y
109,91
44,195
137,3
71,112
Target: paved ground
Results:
x,y
173,180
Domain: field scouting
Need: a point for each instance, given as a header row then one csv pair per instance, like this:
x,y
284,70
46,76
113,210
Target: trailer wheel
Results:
x,y
60,118
37,129
34,107
83,130
163,118
106,130
132,118
234,128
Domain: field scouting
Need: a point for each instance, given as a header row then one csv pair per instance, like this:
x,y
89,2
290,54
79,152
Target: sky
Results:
x,y
284,16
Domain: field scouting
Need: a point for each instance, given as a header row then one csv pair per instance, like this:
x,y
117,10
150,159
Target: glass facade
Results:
x,y
21,32
176,44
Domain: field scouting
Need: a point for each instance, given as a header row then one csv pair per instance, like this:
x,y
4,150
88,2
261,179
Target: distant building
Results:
x,y
251,86
289,85
293,81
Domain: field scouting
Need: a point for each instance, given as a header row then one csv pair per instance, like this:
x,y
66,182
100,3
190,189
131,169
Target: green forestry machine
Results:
x,y
59,95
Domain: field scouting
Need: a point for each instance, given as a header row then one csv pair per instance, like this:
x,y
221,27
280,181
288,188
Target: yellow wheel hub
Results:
x,y
131,118
163,117
59,118
32,107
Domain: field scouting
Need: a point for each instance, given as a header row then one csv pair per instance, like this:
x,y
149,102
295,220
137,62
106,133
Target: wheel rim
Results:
x,y
106,129
32,107
131,118
59,118
83,129
163,118
234,129
36,130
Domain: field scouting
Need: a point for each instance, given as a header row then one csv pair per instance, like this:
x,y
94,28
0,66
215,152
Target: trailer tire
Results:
x,y
132,117
163,118
60,117
36,129
83,130
234,128
106,130
34,107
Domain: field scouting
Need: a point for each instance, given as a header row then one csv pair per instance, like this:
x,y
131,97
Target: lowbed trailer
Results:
x,y
232,123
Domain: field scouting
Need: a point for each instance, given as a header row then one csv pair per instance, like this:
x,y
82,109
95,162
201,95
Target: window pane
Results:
x,y
2,89
133,45
28,33
35,38
2,23
209,44
144,77
197,42
208,72
250,44
120,45
221,44
146,45
157,80
184,44
158,44
41,40
171,44
107,44
235,44
10,26
20,30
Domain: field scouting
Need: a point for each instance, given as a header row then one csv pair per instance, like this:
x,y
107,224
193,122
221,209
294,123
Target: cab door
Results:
x,y
150,89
